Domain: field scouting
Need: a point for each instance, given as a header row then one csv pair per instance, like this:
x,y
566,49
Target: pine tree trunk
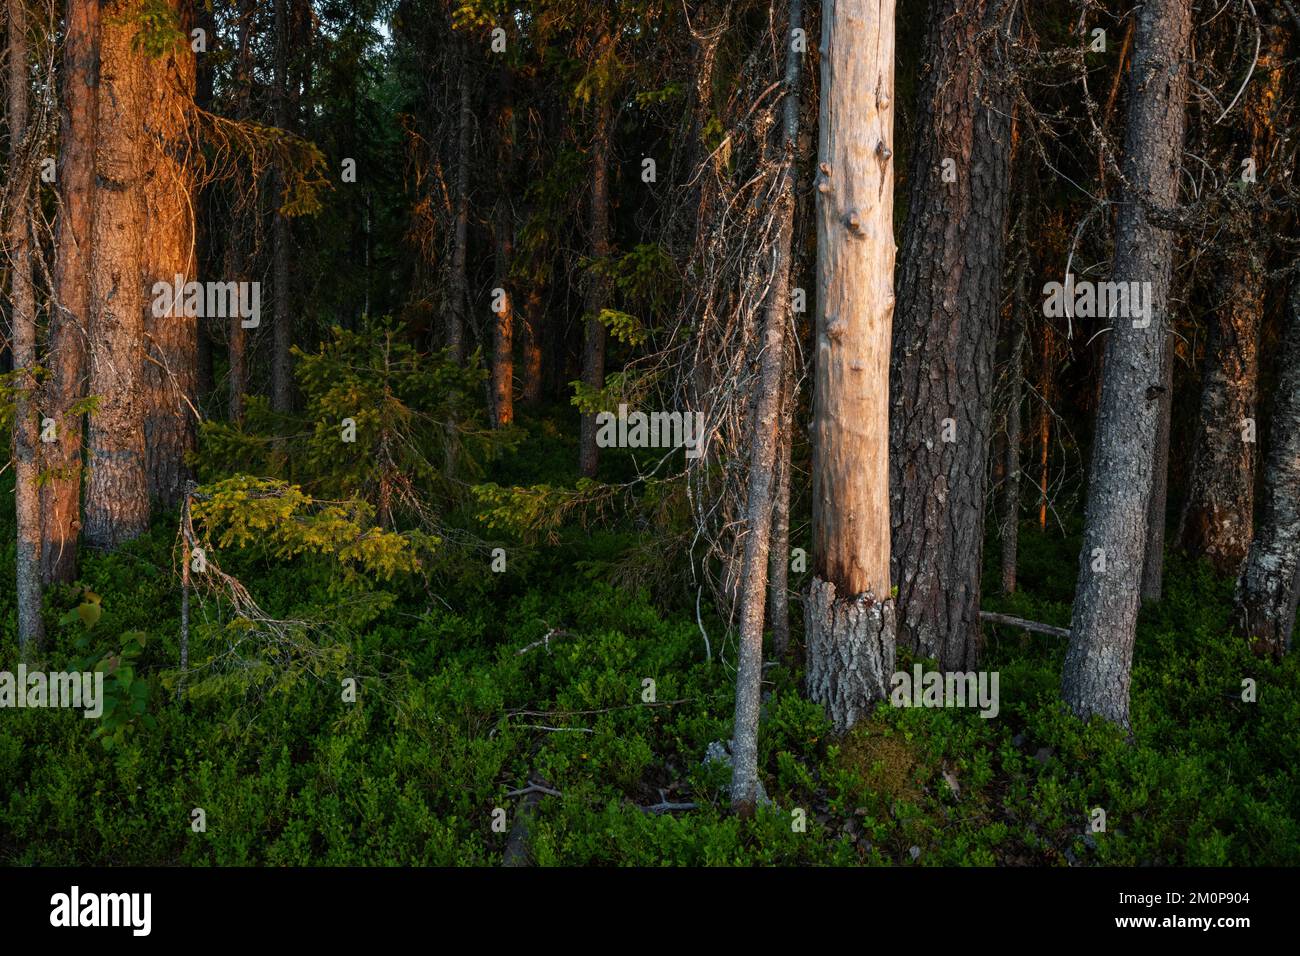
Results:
x,y
1269,585
849,615
70,319
458,282
503,367
534,333
1153,564
1011,489
593,346
945,334
21,174
768,408
1099,660
117,490
282,333
1218,516
171,365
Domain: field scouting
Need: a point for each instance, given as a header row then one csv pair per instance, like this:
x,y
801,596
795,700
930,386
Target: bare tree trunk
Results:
x,y
768,408
458,283
1098,664
1269,585
945,333
779,560
21,175
849,615
282,333
70,318
171,364
1046,371
117,492
1153,564
593,346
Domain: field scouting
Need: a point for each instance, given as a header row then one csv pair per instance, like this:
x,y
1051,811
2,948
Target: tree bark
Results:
x,y
849,615
26,432
945,333
1098,663
171,362
1269,585
768,408
779,559
593,346
1011,489
1218,516
458,282
1153,564
282,333
117,492
503,356
534,334
70,316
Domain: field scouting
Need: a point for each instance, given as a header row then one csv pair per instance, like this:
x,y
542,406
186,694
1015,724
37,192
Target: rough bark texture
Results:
x,y
1153,564
593,345
171,365
534,334
768,407
1269,585
1097,665
849,614
117,491
23,343
945,332
503,323
1218,515
69,322
1010,533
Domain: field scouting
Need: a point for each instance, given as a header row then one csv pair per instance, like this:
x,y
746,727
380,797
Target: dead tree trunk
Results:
x,y
1098,663
768,408
849,616
1269,585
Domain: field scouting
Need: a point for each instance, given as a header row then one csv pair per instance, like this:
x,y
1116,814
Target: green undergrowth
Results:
x,y
460,701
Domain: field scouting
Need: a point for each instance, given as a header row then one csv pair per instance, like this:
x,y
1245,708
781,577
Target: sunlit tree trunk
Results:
x,y
70,318
849,614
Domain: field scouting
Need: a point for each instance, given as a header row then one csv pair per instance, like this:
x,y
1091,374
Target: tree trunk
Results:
x,y
593,346
768,408
849,616
1269,584
945,333
117,492
1218,516
458,282
503,366
779,559
70,318
21,174
1011,489
534,333
282,333
1098,663
1153,564
1046,371
171,364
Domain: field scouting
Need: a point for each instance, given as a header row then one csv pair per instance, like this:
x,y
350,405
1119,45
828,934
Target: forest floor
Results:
x,y
458,706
